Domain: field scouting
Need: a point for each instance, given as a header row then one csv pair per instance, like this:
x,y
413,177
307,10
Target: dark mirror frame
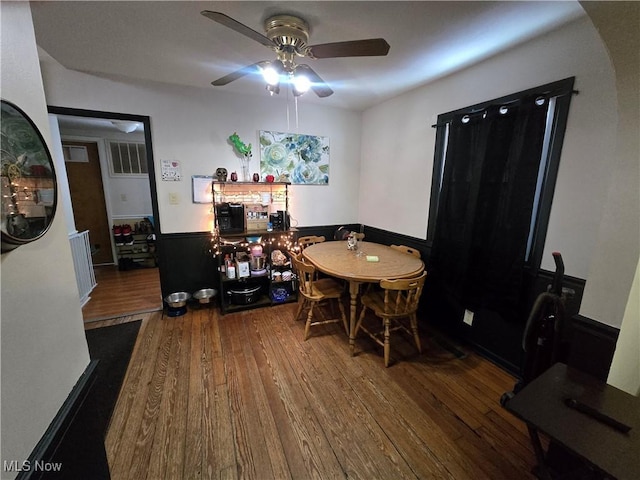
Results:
x,y
29,185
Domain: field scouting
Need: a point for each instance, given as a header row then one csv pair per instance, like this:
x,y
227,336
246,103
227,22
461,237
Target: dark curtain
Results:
x,y
486,201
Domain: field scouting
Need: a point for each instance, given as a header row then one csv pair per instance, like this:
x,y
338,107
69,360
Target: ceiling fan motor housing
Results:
x,y
289,33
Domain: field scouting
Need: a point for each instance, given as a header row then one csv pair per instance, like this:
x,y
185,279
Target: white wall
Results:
x,y
595,215
618,237
44,350
192,126
618,23
125,196
398,161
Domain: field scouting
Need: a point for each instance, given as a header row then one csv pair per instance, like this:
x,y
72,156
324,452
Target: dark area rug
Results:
x,y
80,450
112,347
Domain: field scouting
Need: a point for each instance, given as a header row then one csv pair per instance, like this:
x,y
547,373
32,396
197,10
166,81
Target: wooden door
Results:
x,y
87,198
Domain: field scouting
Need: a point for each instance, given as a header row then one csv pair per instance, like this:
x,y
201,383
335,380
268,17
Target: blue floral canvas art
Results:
x,y
294,157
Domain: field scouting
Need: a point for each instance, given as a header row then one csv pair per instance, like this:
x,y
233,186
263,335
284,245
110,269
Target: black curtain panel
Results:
x,y
486,202
454,223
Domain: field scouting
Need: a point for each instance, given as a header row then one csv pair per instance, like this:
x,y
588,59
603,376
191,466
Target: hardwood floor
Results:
x,y
120,293
242,396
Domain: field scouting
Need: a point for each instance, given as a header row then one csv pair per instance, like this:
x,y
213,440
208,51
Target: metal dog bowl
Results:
x,y
205,295
177,299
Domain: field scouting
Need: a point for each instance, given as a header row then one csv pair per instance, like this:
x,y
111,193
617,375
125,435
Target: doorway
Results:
x,y
110,201
88,199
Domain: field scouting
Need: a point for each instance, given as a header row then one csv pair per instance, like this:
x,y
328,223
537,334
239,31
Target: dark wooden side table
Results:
x,y
597,422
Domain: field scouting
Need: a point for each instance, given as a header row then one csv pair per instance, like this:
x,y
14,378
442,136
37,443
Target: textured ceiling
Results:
x,y
172,42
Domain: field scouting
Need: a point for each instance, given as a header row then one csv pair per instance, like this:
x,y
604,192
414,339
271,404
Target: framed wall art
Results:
x,y
201,185
171,171
293,157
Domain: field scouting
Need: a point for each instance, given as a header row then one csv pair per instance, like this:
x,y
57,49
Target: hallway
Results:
x,y
121,293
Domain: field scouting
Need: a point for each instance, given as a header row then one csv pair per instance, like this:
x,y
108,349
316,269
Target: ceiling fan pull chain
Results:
x,y
288,126
295,100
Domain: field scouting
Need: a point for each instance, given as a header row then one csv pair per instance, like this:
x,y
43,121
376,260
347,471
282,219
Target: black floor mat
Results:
x,y
112,346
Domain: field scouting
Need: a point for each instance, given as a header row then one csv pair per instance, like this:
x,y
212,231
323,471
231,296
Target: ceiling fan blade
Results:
x,y
318,85
229,22
249,69
371,47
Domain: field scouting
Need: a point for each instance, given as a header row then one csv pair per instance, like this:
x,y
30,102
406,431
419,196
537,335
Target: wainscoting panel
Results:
x,y
592,345
187,264
498,335
326,231
389,238
70,449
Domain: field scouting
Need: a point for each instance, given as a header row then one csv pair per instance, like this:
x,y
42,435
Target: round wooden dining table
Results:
x,y
371,263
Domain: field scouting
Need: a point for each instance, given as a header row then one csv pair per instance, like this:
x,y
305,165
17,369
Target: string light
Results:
x,y
271,241
285,241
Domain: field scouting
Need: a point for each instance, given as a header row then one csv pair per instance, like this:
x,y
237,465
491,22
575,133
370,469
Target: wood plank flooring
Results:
x,y
242,396
119,293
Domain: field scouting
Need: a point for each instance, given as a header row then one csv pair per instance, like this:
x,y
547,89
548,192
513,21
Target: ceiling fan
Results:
x,y
288,37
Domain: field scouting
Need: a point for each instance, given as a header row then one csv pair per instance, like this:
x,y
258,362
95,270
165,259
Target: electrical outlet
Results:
x,y
174,199
468,317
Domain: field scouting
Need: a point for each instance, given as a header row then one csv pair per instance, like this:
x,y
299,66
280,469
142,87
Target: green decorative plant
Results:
x,y
244,150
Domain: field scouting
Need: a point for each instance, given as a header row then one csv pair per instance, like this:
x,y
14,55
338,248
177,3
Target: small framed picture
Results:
x,y
202,188
171,171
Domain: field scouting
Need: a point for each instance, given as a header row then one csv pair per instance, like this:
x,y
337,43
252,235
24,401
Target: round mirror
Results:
x,y
28,179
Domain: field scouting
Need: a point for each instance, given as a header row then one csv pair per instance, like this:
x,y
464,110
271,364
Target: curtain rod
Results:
x,y
573,92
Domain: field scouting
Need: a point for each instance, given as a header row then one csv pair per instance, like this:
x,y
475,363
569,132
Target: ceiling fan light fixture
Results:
x,y
271,72
301,83
270,75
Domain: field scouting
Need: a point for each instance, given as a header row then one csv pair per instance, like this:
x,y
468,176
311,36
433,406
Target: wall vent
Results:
x,y
75,153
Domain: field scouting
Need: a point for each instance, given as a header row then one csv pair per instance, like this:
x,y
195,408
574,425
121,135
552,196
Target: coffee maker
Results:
x,y
280,220
230,217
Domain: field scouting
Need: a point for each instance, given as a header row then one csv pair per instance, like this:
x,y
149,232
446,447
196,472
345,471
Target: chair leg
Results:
x,y
300,306
387,343
308,324
414,329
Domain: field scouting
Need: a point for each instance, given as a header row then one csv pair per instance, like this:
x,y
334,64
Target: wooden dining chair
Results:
x,y
304,242
405,249
313,291
342,234
398,299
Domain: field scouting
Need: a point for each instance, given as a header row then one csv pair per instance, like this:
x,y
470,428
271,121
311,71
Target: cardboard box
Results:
x,y
256,217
